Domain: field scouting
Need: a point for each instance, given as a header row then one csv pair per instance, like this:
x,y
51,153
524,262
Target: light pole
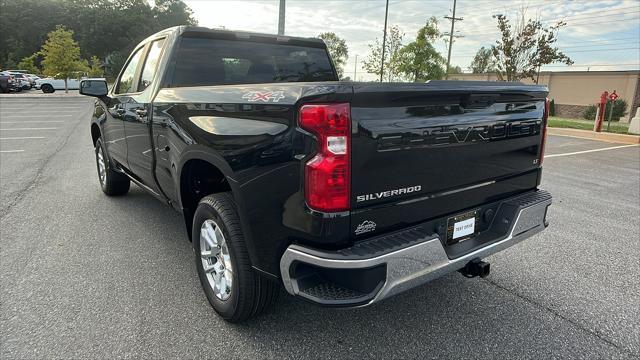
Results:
x,y
384,39
281,18
355,69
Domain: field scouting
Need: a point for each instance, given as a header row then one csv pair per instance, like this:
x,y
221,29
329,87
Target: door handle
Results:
x,y
141,112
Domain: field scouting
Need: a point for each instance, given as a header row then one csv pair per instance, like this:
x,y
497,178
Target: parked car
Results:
x,y
8,83
51,84
32,79
23,81
344,193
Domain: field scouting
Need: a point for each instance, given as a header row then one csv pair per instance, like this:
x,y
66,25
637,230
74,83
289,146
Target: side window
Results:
x,y
150,64
125,84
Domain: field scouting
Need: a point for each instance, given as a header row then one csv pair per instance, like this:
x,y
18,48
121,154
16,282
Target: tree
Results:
x,y
483,61
173,12
419,60
525,47
129,22
29,64
61,55
337,49
96,67
393,44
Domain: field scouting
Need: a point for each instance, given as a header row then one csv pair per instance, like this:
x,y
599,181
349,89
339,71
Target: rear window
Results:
x,y
203,61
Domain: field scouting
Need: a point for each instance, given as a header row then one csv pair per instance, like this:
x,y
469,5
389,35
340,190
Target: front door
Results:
x,y
140,153
113,128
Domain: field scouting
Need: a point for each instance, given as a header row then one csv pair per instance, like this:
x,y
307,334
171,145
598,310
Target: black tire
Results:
x,y
113,183
47,89
251,294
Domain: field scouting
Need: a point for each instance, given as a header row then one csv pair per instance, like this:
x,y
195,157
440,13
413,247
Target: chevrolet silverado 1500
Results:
x,y
344,193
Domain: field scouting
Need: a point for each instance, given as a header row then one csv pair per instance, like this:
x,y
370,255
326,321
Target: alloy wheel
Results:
x,y
216,260
102,168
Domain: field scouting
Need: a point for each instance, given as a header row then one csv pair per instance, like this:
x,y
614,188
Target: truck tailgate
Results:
x,y
425,150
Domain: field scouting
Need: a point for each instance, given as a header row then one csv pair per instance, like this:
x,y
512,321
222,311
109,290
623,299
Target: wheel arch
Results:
x,y
95,133
202,172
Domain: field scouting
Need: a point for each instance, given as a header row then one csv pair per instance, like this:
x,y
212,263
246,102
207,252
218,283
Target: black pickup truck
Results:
x,y
344,193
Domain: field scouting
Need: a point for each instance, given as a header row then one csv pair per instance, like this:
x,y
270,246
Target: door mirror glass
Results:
x,y
93,87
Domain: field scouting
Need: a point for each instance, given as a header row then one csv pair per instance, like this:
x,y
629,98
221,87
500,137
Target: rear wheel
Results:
x,y
234,289
112,182
47,88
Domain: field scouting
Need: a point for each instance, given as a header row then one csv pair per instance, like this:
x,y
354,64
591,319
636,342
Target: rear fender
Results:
x,y
200,152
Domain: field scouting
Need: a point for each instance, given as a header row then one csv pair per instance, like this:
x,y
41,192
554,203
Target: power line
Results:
x,y
628,48
537,5
579,16
569,26
571,47
569,19
624,38
571,52
585,65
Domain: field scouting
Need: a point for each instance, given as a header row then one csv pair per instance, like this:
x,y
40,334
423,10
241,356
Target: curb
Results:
x,y
601,136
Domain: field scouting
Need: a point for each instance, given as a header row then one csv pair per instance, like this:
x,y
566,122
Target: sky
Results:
x,y
599,35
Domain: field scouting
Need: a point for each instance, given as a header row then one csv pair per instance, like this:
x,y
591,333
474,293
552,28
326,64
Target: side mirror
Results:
x,y
94,87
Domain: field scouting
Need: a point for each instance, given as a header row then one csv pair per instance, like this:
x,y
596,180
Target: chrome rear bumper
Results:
x,y
344,278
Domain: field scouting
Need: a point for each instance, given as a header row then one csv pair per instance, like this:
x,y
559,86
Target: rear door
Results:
x,y
425,150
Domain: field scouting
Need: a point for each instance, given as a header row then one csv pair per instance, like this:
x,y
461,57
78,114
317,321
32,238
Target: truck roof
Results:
x,y
199,31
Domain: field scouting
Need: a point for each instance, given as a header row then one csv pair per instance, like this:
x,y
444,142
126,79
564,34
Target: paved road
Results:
x,y
87,276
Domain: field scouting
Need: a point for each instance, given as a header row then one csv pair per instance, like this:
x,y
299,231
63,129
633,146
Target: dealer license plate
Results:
x,y
462,227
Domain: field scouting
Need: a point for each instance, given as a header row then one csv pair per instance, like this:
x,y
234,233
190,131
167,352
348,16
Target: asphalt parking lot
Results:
x,y
87,276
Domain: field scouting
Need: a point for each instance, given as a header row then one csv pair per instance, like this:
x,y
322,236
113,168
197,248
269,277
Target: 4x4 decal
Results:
x,y
264,96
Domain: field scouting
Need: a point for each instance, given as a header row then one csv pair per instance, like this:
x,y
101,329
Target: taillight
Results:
x,y
327,176
545,120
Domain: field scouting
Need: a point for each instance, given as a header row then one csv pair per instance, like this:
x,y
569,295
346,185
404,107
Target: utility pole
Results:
x,y
453,21
384,39
281,18
355,69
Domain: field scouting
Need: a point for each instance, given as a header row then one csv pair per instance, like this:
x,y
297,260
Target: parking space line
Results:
x,y
31,121
16,129
48,108
10,151
590,151
23,138
32,116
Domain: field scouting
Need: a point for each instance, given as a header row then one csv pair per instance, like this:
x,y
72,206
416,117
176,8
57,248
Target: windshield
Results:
x,y
205,61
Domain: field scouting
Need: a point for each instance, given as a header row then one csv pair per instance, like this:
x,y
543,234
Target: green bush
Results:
x,y
590,112
619,108
552,108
